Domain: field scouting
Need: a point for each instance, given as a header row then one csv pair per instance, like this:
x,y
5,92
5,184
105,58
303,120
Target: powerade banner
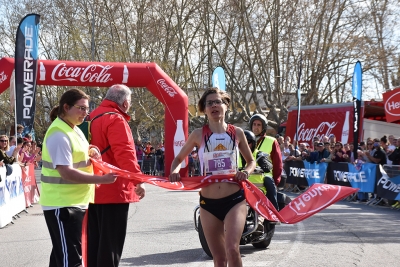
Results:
x,y
357,91
26,61
388,187
218,79
334,171
304,173
315,172
357,176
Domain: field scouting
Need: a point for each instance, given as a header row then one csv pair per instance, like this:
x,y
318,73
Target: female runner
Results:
x,y
222,205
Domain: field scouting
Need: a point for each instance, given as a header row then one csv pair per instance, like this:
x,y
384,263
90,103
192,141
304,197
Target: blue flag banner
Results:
x,y
26,61
357,97
363,178
218,79
314,172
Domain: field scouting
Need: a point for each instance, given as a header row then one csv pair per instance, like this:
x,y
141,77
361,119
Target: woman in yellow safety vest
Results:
x,y
67,178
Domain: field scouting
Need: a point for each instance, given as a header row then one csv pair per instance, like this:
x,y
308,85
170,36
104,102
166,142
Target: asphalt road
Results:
x,y
161,233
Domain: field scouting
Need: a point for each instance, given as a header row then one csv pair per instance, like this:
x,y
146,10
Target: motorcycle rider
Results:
x,y
269,145
264,166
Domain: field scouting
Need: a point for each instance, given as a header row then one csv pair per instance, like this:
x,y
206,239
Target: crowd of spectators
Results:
x,y
21,150
383,151
150,158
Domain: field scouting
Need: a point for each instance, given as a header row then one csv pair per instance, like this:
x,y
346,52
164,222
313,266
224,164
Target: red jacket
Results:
x,y
113,130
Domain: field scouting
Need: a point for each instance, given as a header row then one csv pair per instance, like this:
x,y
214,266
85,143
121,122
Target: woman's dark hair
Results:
x,y
384,139
70,97
340,143
25,143
214,90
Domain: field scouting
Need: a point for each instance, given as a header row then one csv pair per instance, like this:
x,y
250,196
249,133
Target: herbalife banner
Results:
x,y
26,61
304,173
388,186
357,176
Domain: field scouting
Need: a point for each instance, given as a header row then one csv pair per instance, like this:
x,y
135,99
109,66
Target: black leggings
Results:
x,y
271,191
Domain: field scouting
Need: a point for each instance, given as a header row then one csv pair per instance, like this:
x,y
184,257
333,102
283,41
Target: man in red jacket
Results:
x,y
108,216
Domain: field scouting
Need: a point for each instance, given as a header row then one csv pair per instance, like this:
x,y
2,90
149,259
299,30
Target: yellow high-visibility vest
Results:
x,y
59,192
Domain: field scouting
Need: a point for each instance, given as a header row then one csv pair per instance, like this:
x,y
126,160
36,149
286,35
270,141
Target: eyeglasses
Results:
x,y
370,144
3,140
217,102
337,145
82,108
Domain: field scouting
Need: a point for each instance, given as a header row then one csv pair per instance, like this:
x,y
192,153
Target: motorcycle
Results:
x,y
257,230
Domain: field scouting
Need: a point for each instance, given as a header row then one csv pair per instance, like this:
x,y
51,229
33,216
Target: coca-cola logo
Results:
x,y
392,104
92,73
168,89
308,134
3,77
179,143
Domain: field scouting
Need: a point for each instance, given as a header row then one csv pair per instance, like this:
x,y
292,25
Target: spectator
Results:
x,y
323,152
338,152
139,152
391,143
160,159
28,137
12,142
285,150
4,158
20,129
385,147
147,148
294,153
281,141
152,153
362,146
108,215
314,147
378,155
304,153
325,139
26,157
348,148
67,178
395,155
332,139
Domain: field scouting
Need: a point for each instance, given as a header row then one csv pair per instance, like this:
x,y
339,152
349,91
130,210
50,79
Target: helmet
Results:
x,y
259,117
251,139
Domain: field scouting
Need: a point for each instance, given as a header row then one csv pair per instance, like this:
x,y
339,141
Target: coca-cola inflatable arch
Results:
x,y
106,74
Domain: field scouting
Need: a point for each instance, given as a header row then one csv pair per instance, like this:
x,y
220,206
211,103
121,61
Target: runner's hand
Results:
x,y
140,191
174,177
109,178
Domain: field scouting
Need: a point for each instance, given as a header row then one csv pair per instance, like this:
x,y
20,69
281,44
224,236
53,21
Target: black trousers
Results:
x,y
106,234
65,228
271,191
